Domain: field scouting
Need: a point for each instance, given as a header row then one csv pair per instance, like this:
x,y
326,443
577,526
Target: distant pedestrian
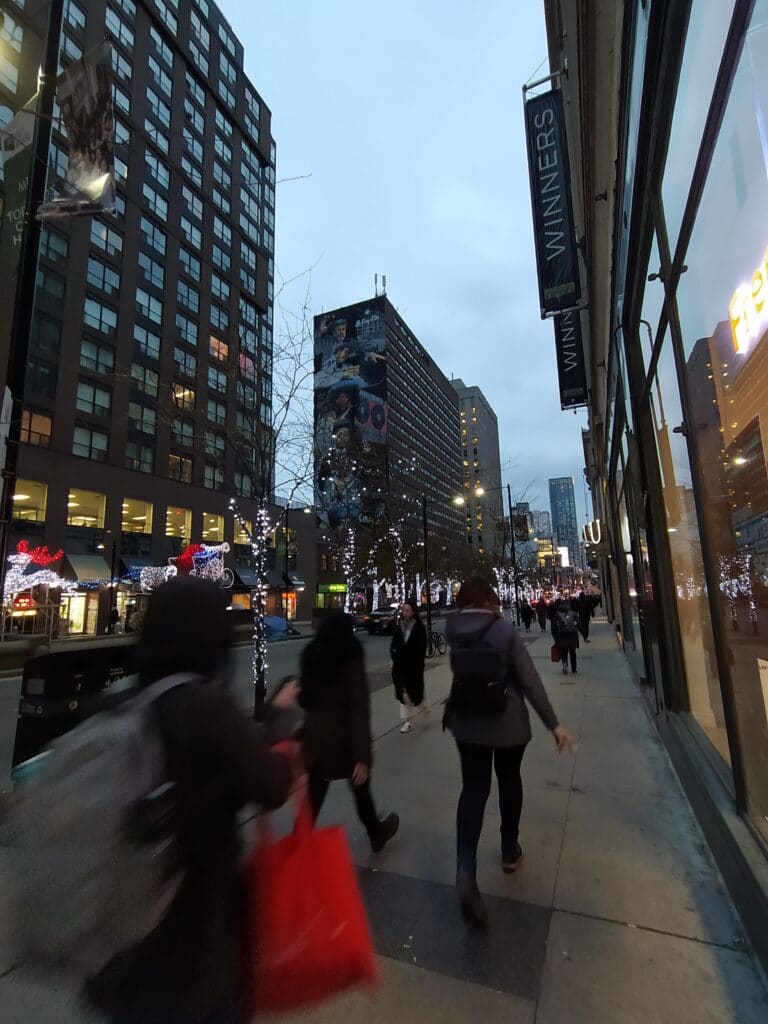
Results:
x,y
585,609
526,614
541,613
337,728
565,632
408,650
487,654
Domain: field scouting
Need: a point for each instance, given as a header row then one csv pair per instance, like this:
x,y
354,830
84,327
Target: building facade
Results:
x,y
565,525
148,388
387,439
484,508
672,144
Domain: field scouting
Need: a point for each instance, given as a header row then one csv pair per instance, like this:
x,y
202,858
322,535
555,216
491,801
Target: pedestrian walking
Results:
x,y
585,609
192,968
565,633
408,650
526,614
337,729
541,613
493,676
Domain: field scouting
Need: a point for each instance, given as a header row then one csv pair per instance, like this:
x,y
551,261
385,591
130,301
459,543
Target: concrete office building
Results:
x,y
151,347
484,513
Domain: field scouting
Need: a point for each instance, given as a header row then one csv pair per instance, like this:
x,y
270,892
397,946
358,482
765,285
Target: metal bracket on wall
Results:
x,y
682,429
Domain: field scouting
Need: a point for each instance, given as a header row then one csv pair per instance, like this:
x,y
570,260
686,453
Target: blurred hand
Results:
x,y
563,739
287,695
360,774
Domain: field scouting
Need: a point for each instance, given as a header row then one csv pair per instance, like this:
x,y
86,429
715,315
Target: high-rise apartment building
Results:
x,y
542,524
565,530
484,511
386,427
150,364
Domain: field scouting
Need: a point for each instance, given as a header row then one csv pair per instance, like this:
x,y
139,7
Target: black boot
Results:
x,y
472,906
387,828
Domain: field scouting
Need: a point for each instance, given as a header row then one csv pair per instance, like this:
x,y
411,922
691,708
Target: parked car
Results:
x,y
383,620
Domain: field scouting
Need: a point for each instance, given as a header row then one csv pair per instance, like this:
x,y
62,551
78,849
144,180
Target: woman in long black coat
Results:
x,y
408,650
337,731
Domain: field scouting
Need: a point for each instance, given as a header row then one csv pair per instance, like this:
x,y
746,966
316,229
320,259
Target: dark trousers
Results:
x,y
564,652
584,625
366,809
476,764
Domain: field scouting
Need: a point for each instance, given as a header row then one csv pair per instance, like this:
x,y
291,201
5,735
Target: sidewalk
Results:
x,y
616,916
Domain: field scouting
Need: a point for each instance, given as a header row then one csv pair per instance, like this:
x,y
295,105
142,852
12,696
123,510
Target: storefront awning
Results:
x,y
88,567
277,581
135,563
246,577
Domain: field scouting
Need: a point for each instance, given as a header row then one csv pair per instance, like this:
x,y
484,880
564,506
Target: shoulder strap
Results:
x,y
487,628
157,689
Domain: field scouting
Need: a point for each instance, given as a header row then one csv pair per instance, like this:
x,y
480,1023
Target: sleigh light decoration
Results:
x,y
206,561
18,579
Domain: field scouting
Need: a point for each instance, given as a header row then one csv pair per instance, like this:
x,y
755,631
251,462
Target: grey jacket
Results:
x,y
513,727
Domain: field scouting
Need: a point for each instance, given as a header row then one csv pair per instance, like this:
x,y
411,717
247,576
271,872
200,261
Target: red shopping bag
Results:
x,y
555,653
309,930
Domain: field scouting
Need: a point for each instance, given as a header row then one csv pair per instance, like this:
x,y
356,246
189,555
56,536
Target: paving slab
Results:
x,y
597,972
413,995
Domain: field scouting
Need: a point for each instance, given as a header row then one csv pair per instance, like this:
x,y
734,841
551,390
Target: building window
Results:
x,y
192,234
142,418
153,235
217,380
118,29
54,246
157,170
187,329
89,444
121,99
188,295
147,342
36,428
160,77
106,238
146,380
194,117
190,263
149,306
99,317
218,349
140,457
200,30
98,358
156,136
221,259
222,201
162,49
193,144
183,396
93,399
155,201
222,230
178,521
153,272
50,285
217,412
122,68
158,108
219,317
221,176
103,277
179,468
213,478
167,15
219,288
183,432
185,362
192,171
215,445
46,332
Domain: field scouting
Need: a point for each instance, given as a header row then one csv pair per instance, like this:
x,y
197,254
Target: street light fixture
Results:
x,y
479,492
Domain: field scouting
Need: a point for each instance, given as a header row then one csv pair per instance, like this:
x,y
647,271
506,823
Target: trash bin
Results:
x,y
61,689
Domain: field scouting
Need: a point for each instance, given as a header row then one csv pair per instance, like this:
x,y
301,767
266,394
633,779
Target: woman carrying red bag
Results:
x,y
337,730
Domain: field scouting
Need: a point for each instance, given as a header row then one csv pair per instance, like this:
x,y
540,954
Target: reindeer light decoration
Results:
x,y
17,579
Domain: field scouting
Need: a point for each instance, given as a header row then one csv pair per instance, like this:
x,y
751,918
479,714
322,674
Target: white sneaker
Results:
x,y
406,727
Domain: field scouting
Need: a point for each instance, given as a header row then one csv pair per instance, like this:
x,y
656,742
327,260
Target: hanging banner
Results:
x,y
84,94
553,231
569,349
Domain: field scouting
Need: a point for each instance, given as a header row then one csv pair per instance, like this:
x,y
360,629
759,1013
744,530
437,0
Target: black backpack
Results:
x,y
479,675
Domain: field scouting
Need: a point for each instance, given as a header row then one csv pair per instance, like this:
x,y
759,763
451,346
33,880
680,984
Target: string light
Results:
x,y
17,579
258,537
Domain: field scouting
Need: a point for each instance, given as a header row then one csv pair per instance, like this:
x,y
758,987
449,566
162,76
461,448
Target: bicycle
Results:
x,y
436,643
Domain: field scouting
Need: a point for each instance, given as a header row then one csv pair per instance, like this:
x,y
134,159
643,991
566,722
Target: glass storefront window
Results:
x,y
653,302
723,306
243,532
178,523
213,528
86,508
29,501
704,43
136,516
704,696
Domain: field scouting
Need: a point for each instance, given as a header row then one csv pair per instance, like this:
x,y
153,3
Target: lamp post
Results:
x,y
285,560
479,492
112,568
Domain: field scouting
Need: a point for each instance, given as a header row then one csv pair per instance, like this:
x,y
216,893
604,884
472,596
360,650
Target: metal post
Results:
x,y
426,566
514,554
27,273
113,585
285,574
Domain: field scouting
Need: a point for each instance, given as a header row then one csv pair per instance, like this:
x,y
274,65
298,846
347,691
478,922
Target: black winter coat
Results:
x,y
565,629
194,962
337,728
408,663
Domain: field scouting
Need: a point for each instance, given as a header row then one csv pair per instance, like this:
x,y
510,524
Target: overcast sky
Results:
x,y
408,116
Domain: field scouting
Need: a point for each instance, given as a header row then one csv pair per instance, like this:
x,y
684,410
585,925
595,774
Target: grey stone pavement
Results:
x,y
617,914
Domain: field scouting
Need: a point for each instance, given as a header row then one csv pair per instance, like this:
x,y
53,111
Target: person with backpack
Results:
x,y
191,969
336,735
493,676
585,609
565,633
408,650
526,614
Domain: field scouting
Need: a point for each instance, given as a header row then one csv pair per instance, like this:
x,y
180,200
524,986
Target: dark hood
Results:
x,y
466,624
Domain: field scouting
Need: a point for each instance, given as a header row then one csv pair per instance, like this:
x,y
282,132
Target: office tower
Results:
x,y
565,530
484,512
151,346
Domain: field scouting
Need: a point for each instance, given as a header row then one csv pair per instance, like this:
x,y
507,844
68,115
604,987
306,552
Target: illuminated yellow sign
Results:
x,y
748,309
